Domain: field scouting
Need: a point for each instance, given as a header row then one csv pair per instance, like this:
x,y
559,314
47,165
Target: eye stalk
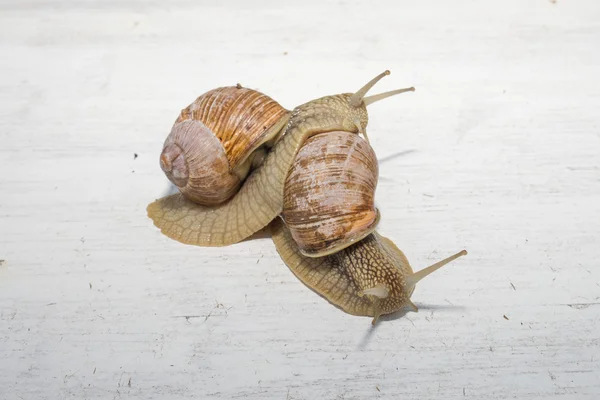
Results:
x,y
359,98
358,102
372,99
356,99
414,278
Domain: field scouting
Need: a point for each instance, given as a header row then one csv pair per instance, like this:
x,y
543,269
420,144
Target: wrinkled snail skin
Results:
x,y
260,198
369,278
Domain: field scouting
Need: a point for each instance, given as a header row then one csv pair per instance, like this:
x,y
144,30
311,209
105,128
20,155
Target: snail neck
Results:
x,y
327,114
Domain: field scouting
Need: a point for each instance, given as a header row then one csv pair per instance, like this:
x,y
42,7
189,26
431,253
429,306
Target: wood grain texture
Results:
x,y
497,152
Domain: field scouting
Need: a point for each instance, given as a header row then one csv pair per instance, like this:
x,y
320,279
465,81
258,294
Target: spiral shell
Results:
x,y
215,140
329,193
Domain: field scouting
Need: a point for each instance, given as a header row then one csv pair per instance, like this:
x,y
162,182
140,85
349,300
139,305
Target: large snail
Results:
x,y
356,269
261,198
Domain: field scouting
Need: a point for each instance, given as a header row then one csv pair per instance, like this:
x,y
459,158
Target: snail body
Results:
x,y
261,197
369,278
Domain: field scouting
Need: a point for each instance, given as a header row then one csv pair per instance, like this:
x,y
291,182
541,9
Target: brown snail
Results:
x,y
356,269
261,198
216,139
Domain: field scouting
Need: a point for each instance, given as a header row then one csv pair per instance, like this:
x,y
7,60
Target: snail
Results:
x,y
260,198
217,139
320,178
370,278
358,270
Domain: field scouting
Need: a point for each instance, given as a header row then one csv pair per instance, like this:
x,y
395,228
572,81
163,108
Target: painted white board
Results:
x,y
498,152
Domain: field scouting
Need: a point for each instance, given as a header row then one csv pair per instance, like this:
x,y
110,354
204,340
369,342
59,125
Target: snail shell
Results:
x,y
329,195
215,140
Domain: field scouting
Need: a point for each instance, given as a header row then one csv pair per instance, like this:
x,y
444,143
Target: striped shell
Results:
x,y
329,193
215,140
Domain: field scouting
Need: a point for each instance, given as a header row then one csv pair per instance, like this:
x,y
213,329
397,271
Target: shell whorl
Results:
x,y
212,144
172,162
329,193
239,117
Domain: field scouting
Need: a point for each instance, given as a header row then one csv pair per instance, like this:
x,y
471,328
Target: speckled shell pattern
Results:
x,y
329,193
208,153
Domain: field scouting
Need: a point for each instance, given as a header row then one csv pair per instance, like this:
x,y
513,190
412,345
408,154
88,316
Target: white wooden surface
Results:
x,y
498,152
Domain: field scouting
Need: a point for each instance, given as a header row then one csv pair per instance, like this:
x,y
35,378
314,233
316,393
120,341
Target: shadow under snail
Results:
x,y
319,176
